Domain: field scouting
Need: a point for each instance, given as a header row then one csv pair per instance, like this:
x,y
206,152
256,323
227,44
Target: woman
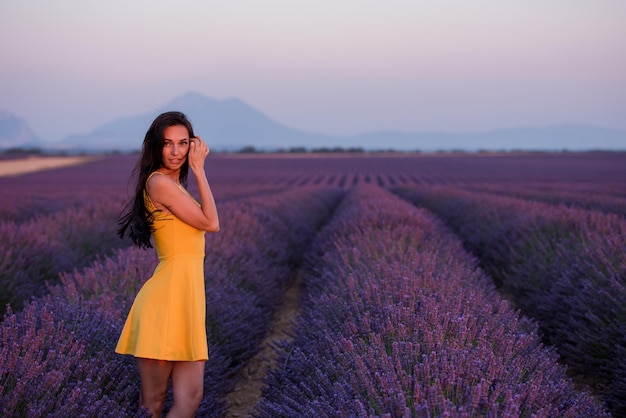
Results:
x,y
165,329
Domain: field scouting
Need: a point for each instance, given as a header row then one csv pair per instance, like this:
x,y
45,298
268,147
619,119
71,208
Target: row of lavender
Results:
x,y
397,321
20,206
268,186
48,191
56,356
55,221
348,179
33,253
36,251
608,200
563,266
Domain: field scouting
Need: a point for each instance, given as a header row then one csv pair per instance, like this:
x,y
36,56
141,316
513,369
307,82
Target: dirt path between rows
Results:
x,y
14,167
247,391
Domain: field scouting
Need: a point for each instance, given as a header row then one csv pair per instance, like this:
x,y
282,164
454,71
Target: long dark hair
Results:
x,y
135,217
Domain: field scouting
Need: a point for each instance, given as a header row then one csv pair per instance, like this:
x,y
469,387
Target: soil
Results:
x,y
247,391
14,167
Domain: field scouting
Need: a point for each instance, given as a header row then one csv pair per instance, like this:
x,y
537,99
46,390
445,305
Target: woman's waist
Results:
x,y
168,256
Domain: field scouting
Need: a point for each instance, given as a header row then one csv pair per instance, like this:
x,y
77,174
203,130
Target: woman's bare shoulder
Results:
x,y
159,180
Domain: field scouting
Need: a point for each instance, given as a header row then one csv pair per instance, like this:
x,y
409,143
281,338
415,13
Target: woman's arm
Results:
x,y
198,151
165,194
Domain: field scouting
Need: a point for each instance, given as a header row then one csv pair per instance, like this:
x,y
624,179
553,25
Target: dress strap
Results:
x,y
152,174
146,197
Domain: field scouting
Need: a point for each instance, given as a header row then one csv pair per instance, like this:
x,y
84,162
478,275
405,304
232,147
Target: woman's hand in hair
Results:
x,y
207,218
198,151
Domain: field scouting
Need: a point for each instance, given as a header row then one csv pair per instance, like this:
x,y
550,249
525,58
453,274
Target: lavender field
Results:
x,y
428,285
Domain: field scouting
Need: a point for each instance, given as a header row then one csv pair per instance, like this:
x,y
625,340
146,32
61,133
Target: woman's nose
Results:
x,y
175,149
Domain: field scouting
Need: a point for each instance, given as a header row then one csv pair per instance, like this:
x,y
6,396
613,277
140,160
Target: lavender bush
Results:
x,y
248,265
56,356
20,208
35,252
397,322
563,194
248,270
563,266
45,192
54,363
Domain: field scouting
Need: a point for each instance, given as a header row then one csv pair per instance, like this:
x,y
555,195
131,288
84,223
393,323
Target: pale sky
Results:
x,y
330,66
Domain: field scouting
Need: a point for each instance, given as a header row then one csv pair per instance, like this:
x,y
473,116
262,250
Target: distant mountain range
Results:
x,y
15,132
550,138
231,124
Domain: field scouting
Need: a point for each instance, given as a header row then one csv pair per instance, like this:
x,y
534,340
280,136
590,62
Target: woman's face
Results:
x,y
175,147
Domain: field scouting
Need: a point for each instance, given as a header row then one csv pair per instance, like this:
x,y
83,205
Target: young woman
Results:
x,y
165,329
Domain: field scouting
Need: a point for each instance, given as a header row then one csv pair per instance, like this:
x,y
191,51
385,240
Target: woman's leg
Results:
x,y
155,375
188,387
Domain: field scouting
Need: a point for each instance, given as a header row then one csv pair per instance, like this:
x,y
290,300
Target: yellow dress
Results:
x,y
167,319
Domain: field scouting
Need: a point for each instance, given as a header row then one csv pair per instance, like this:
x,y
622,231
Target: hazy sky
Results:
x,y
333,66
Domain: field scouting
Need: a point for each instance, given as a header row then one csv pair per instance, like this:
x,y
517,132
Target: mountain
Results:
x,y
231,124
228,124
15,132
550,138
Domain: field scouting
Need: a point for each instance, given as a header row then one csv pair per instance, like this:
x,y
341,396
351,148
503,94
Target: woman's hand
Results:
x,y
198,151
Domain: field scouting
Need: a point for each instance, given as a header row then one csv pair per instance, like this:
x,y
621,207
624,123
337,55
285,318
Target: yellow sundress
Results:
x,y
167,318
